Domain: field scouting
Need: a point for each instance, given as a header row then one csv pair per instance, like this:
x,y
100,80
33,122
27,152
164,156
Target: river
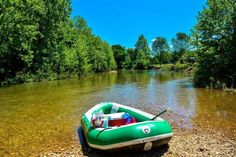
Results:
x,y
38,117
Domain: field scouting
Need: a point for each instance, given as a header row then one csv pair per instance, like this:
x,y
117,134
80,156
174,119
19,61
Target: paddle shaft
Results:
x,y
159,114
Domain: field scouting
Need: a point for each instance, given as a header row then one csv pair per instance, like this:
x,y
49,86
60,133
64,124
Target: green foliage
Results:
x,y
160,49
215,38
120,55
130,59
110,57
40,41
188,57
178,67
165,57
141,54
75,58
19,29
100,55
181,45
137,58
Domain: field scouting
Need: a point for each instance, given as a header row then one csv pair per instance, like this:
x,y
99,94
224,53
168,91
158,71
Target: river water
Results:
x,y
37,117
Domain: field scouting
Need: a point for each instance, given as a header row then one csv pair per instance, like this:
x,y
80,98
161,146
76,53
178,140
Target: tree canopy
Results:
x,y
142,53
215,38
159,47
120,55
40,41
181,45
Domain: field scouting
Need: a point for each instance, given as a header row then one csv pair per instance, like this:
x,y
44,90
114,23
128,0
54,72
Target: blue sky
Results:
x,y
122,21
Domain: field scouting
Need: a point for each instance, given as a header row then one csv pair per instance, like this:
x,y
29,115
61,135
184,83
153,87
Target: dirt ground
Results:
x,y
185,142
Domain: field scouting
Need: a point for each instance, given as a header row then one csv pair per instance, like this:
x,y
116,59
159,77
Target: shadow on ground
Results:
x,y
90,152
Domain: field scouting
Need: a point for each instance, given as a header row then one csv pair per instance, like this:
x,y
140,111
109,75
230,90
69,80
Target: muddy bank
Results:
x,y
194,142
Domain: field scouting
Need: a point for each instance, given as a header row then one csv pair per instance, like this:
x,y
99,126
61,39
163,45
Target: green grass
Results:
x,y
178,67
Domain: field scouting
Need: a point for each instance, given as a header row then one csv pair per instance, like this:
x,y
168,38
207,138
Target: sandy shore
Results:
x,y
189,143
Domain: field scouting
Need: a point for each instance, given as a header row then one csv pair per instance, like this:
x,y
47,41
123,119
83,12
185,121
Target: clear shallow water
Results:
x,y
37,117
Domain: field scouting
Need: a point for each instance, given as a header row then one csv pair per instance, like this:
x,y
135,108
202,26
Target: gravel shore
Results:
x,y
184,143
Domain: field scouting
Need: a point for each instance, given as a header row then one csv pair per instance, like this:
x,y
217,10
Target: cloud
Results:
x,y
153,39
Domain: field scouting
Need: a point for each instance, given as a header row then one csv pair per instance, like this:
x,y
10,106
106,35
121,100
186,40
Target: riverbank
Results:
x,y
186,68
189,141
185,142
51,76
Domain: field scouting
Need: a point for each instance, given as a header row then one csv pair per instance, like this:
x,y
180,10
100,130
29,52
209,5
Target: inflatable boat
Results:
x,y
109,126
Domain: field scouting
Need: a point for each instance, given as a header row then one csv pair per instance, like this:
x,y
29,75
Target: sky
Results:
x,y
123,21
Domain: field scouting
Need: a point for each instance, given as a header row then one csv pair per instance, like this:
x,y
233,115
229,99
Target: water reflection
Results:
x,y
37,117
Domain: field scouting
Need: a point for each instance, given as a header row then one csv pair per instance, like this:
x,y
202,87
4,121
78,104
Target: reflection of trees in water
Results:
x,y
133,76
144,76
163,77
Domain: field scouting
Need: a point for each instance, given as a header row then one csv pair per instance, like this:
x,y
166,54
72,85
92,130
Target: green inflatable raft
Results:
x,y
109,126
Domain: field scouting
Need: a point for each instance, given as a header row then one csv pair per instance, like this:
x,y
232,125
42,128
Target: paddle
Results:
x,y
168,109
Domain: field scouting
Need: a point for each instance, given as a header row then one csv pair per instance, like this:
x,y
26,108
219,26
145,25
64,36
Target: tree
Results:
x,y
31,35
39,41
120,55
215,36
109,56
142,52
76,34
159,47
181,44
100,55
18,32
81,26
49,43
130,59
166,57
86,52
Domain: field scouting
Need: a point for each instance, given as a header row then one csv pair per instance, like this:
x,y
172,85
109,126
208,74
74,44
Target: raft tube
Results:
x,y
145,134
